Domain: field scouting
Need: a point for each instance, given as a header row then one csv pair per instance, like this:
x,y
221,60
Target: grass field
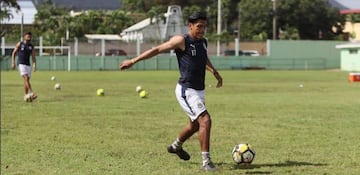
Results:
x,y
314,129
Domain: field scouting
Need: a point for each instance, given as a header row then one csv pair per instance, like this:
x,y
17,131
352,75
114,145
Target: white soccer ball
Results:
x,y
53,78
138,89
243,153
28,98
57,86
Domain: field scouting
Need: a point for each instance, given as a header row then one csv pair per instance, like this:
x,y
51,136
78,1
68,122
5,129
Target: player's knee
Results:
x,y
26,77
205,120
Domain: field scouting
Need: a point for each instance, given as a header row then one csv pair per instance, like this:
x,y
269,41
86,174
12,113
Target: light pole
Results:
x,y
274,18
218,28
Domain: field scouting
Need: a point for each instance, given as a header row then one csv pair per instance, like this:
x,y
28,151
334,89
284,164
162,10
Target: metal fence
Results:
x,y
280,55
80,63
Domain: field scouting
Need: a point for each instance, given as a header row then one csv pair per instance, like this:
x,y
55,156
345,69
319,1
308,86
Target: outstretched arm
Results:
x,y
216,74
174,43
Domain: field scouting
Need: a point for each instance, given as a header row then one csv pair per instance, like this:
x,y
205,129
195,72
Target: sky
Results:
x,y
351,4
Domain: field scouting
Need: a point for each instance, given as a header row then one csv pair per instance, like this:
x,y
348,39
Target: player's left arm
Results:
x,y
33,56
216,74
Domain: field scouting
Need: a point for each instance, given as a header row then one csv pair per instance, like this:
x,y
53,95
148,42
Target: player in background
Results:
x,y
25,49
191,52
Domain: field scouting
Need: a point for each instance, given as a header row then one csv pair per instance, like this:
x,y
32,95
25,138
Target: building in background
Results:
x,y
169,24
349,7
352,28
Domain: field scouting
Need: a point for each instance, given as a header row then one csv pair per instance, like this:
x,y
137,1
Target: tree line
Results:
x,y
252,19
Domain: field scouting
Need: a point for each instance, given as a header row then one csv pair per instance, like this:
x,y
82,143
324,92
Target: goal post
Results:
x,y
57,50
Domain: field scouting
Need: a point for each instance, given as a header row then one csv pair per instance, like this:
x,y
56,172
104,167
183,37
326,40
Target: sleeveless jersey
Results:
x,y
192,63
25,50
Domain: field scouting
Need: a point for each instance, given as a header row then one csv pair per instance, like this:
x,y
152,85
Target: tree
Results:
x,y
157,13
137,5
309,18
53,23
255,18
5,5
313,19
50,23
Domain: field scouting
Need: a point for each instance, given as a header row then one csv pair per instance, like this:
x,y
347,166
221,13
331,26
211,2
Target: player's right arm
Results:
x,y
13,55
176,42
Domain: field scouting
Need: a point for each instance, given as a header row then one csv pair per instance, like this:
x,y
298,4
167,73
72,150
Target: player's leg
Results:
x,y
204,121
27,85
25,72
188,130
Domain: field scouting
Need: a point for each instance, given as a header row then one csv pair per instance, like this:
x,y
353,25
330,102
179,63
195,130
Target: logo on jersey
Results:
x,y
193,49
205,47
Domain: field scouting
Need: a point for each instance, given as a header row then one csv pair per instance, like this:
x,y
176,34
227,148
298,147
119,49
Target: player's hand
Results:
x,y
34,67
219,79
126,64
13,66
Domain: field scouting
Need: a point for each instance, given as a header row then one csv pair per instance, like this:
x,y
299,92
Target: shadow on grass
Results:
x,y
256,166
284,164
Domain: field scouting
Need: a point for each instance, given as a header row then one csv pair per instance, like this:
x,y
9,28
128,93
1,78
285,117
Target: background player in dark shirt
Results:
x,y
25,49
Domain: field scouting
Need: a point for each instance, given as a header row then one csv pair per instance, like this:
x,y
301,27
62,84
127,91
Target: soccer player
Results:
x,y
191,52
24,49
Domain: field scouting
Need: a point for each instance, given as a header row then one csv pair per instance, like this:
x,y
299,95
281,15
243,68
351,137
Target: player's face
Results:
x,y
197,29
27,38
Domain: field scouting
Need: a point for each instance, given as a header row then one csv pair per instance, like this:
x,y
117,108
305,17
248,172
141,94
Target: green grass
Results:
x,y
309,130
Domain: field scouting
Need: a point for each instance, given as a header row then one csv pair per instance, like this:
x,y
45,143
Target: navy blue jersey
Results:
x,y
24,52
192,63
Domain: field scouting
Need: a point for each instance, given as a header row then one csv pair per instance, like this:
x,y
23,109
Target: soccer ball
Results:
x,y
100,92
243,153
57,86
28,98
143,94
138,89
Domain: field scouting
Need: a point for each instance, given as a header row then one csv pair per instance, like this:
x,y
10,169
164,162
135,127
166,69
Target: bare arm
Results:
x,y
16,49
211,68
176,42
33,56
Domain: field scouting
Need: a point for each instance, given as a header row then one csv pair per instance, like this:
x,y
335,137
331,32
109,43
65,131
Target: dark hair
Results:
x,y
27,33
197,16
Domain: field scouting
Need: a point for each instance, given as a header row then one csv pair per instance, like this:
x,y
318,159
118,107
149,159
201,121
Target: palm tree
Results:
x,y
5,5
157,13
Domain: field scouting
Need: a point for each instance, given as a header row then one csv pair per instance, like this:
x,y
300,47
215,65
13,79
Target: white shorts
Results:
x,y
24,69
191,101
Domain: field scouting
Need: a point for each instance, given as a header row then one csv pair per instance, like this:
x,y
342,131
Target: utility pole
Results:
x,y
274,19
22,27
237,39
218,28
